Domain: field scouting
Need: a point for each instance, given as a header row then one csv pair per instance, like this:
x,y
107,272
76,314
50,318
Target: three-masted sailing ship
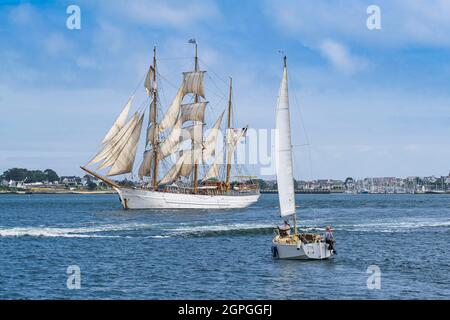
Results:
x,y
180,185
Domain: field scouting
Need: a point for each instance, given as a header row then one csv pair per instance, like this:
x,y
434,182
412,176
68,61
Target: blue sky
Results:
x,y
373,102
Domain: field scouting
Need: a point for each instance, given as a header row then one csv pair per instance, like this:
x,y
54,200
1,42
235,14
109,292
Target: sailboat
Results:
x,y
180,186
286,245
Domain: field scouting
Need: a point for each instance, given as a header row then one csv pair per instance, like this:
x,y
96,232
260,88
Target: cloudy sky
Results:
x,y
369,102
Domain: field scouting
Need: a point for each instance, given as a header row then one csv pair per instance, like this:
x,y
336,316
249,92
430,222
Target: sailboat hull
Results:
x,y
301,251
148,199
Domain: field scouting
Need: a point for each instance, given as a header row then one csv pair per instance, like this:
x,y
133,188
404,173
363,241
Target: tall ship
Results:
x,y
182,166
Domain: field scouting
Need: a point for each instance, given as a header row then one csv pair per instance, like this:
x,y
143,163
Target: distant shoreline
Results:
x,y
99,192
57,192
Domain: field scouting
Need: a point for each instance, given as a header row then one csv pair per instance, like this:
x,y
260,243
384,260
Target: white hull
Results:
x,y
301,251
148,199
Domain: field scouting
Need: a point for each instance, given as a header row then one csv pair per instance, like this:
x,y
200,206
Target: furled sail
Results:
x,y
125,160
108,148
171,116
193,111
193,83
148,83
283,151
119,123
145,169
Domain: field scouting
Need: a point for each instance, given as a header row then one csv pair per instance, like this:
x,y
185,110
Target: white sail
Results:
x,y
125,160
119,123
171,116
211,139
150,132
145,169
173,172
214,169
115,148
170,144
193,111
190,157
108,147
193,83
193,132
283,151
234,136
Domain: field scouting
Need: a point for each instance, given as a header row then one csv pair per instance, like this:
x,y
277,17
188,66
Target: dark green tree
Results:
x,y
51,175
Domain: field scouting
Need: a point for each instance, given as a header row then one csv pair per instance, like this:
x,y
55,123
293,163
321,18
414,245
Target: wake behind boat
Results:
x,y
177,149
286,245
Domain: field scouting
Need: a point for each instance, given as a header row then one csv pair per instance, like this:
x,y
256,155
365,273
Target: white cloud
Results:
x,y
172,13
340,57
23,14
56,43
403,22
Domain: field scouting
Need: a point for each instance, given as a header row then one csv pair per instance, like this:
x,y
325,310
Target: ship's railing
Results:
x,y
212,192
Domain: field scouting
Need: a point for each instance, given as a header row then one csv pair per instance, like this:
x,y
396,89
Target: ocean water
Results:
x,y
222,254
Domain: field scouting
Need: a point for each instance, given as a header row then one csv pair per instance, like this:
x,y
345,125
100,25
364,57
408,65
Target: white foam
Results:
x,y
399,226
80,232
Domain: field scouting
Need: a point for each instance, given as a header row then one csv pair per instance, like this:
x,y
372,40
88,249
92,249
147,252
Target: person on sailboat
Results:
x,y
285,229
329,238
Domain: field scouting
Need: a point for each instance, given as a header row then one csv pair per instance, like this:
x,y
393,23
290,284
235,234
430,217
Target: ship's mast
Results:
x,y
154,140
193,152
230,105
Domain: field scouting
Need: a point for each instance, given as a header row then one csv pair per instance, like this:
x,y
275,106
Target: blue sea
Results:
x,y
221,254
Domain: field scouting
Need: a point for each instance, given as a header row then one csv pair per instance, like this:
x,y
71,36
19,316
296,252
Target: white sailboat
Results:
x,y
286,245
180,186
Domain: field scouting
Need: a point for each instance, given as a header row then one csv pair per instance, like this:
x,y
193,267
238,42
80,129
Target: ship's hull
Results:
x,y
148,199
300,251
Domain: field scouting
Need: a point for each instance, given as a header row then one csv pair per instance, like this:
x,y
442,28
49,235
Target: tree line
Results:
x,y
29,176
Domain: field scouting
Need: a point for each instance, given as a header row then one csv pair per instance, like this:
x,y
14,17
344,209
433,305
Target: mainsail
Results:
x,y
283,150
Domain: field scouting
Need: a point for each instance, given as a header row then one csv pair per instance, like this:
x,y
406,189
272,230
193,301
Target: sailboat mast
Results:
x,y
294,216
155,149
193,152
230,105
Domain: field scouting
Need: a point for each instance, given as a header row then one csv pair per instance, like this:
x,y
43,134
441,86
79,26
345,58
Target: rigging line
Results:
x,y
167,80
174,58
212,70
215,85
297,104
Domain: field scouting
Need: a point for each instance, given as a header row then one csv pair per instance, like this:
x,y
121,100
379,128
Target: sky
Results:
x,y
369,103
